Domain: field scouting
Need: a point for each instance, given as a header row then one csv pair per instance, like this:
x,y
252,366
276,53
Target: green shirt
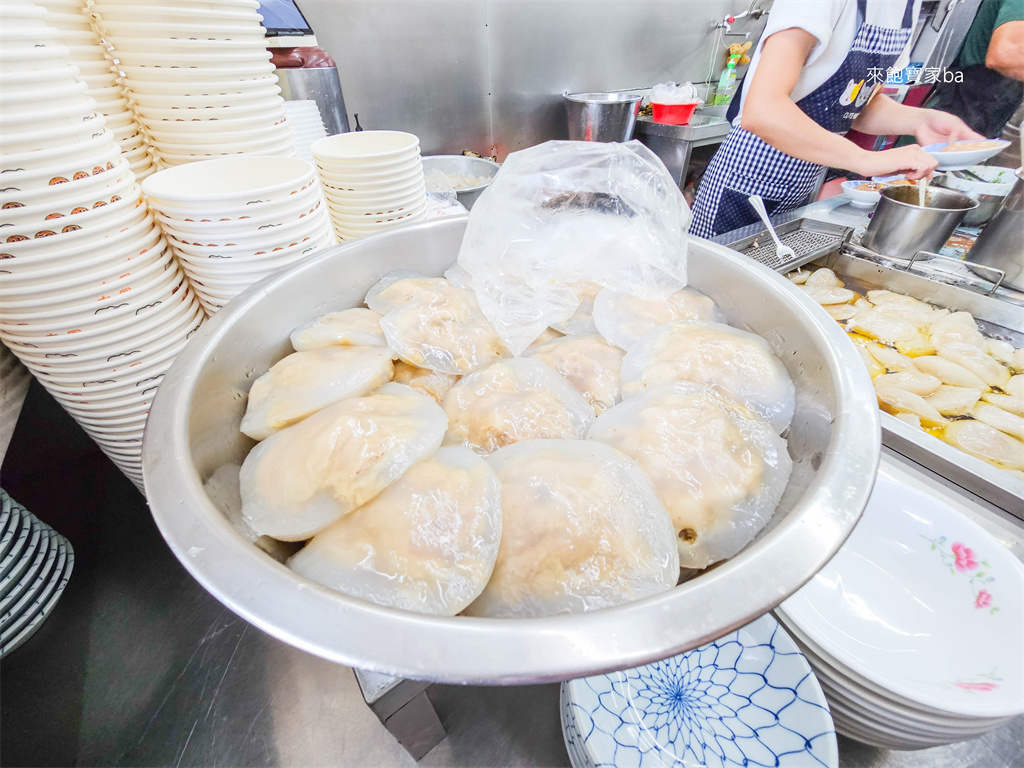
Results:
x,y
991,15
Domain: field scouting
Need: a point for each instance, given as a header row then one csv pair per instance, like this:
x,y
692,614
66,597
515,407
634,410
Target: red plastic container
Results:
x,y
673,114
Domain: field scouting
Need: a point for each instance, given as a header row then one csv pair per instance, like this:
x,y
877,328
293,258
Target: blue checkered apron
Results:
x,y
745,165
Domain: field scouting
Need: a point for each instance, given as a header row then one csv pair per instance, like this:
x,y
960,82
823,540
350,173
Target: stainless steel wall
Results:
x,y
489,75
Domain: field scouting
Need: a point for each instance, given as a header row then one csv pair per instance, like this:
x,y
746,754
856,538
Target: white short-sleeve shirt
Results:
x,y
834,24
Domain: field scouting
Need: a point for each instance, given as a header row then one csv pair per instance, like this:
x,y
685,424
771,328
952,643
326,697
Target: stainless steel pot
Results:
x,y
1001,243
602,116
193,431
900,227
987,204
464,166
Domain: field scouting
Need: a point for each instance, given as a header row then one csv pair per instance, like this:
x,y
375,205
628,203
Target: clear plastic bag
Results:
x,y
719,469
582,529
356,327
304,382
511,401
300,480
589,363
440,187
670,93
737,363
440,327
564,212
427,544
582,320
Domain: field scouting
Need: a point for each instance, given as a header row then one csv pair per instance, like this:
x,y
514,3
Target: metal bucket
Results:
x,y
1001,243
602,116
900,227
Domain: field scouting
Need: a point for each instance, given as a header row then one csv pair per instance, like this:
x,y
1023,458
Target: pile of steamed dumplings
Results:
x,y
429,470
933,368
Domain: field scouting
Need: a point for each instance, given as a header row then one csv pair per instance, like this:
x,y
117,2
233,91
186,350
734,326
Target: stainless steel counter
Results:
x,y
674,144
140,666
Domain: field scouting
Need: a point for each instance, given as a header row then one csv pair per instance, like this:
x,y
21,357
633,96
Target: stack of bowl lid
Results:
x,y
373,180
94,303
749,698
91,55
307,125
232,221
914,628
199,76
35,565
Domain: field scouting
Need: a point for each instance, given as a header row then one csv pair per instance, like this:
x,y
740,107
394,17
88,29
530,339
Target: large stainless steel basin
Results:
x,y
193,431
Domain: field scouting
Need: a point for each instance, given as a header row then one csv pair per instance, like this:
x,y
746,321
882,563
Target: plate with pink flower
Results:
x,y
924,603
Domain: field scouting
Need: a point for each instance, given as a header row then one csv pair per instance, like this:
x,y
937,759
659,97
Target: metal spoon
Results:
x,y
784,252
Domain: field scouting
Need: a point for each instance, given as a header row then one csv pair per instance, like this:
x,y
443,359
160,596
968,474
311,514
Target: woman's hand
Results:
x,y
910,160
935,127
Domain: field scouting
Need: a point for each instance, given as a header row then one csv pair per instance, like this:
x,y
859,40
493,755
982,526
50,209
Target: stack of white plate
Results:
x,y
35,565
915,628
90,54
199,76
373,180
93,303
307,126
749,698
233,221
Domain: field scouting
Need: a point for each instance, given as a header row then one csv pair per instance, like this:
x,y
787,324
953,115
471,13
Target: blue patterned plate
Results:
x,y
748,699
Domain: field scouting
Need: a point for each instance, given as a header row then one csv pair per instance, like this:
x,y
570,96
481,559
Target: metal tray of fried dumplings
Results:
x,y
997,319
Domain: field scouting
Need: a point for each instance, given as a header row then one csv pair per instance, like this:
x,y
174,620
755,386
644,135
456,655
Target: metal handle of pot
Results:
x,y
1001,274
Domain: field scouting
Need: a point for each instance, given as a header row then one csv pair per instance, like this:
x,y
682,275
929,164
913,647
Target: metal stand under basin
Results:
x,y
403,708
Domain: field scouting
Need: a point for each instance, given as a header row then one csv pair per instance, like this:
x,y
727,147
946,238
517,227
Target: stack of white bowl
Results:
x,y
914,629
93,302
233,221
90,54
199,76
373,180
307,126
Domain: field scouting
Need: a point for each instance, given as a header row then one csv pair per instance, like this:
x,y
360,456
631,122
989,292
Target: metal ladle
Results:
x,y
784,252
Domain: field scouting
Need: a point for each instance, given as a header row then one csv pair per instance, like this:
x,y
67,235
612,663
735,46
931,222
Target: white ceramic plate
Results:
x,y
953,160
570,732
15,540
50,590
749,698
24,574
877,698
924,603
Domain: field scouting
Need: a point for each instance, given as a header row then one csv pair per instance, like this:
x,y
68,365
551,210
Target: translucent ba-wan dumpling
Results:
x,y
441,327
511,401
356,327
623,318
424,380
736,362
396,288
589,363
304,382
719,469
300,480
582,529
427,544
